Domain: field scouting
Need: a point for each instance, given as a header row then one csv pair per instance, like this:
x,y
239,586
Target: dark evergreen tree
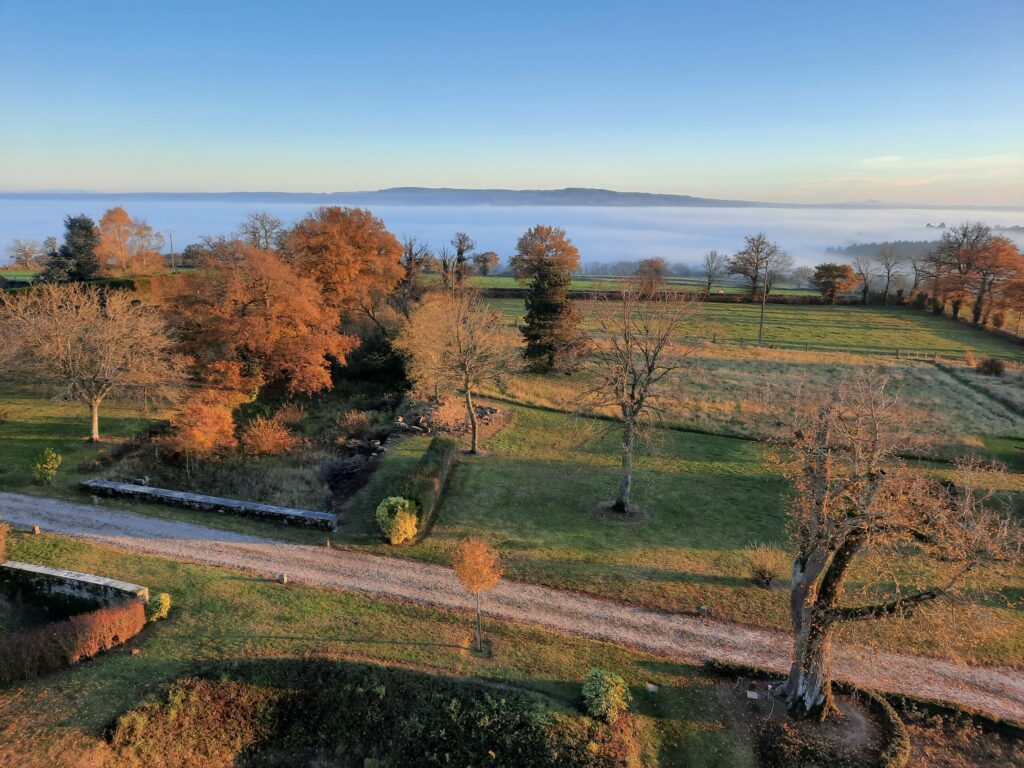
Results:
x,y
552,333
76,259
463,245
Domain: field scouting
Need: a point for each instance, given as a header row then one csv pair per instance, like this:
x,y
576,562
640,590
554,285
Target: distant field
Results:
x,y
583,283
19,274
868,329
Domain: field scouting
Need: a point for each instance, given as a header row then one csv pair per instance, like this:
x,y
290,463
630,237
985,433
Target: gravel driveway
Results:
x,y
997,690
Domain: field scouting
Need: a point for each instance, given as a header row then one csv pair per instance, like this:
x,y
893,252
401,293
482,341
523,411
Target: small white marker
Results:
x,y
753,695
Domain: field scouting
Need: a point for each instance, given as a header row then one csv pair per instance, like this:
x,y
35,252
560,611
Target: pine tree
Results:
x,y
76,259
553,339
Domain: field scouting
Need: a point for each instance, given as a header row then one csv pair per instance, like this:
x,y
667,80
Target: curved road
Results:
x,y
997,690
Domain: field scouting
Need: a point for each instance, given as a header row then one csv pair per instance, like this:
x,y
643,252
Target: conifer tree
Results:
x,y
552,333
76,259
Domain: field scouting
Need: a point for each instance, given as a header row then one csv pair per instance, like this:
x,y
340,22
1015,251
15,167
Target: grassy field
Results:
x,y
840,328
708,495
220,615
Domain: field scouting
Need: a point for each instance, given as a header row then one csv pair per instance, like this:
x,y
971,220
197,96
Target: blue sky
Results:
x,y
788,101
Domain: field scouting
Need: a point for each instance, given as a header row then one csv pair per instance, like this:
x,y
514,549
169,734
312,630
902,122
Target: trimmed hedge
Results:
x,y
4,530
291,712
425,484
46,649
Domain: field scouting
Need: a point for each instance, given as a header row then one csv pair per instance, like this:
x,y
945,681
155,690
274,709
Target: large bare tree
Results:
x,y
261,230
637,347
715,265
864,269
88,346
856,506
889,260
26,253
454,341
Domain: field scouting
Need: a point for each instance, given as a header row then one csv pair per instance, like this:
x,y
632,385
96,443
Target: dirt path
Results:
x,y
997,690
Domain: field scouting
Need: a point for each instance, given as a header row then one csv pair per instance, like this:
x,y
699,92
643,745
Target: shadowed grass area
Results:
x,y
218,614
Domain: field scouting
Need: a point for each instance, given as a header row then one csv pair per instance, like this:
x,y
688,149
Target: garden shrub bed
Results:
x,y
46,649
302,712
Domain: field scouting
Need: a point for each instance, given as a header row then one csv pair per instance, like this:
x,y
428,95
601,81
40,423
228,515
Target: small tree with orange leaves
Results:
x,y
479,570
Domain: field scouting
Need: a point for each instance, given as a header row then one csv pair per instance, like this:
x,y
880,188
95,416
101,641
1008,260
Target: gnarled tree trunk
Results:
x,y
471,412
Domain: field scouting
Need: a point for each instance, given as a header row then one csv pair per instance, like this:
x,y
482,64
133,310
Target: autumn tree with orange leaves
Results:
x,y
351,256
479,570
247,319
542,244
128,246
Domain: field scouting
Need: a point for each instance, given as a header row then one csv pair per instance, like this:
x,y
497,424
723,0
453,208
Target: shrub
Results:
x,y
4,530
969,359
766,563
203,428
159,607
381,715
267,437
998,319
54,646
291,414
605,695
45,466
991,366
397,519
355,424
5,415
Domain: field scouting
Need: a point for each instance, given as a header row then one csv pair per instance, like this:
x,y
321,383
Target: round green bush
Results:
x,y
605,695
45,466
158,607
398,519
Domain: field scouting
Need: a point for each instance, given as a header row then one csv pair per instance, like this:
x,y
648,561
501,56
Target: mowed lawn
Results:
x,y
534,494
844,328
219,615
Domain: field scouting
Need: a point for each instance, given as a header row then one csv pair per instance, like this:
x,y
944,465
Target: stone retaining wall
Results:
x,y
268,512
75,591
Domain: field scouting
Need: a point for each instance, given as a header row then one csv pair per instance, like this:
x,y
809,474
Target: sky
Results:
x,y
783,101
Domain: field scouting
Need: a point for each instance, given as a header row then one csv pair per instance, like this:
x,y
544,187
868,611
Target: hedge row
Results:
x,y
46,649
4,530
370,715
426,482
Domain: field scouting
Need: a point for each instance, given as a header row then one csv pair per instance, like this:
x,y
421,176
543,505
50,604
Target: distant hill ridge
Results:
x,y
438,196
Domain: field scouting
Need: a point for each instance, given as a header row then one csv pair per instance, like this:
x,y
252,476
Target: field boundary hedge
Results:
x,y
427,481
46,649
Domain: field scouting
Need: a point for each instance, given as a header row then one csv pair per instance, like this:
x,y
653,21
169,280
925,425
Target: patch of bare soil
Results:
x,y
747,703
606,512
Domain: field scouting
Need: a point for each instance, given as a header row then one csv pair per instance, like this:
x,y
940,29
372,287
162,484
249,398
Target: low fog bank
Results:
x,y
602,234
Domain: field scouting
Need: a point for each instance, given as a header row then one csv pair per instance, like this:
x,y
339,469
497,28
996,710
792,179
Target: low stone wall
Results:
x,y
72,590
268,512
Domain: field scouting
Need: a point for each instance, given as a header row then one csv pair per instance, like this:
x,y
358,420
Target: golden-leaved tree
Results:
x,y
455,342
128,246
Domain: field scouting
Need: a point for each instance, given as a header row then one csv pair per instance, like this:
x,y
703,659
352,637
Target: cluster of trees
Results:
x,y
969,265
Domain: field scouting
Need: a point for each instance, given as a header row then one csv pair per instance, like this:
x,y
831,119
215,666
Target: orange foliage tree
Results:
x,y
351,255
247,319
479,570
128,246
542,243
204,428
